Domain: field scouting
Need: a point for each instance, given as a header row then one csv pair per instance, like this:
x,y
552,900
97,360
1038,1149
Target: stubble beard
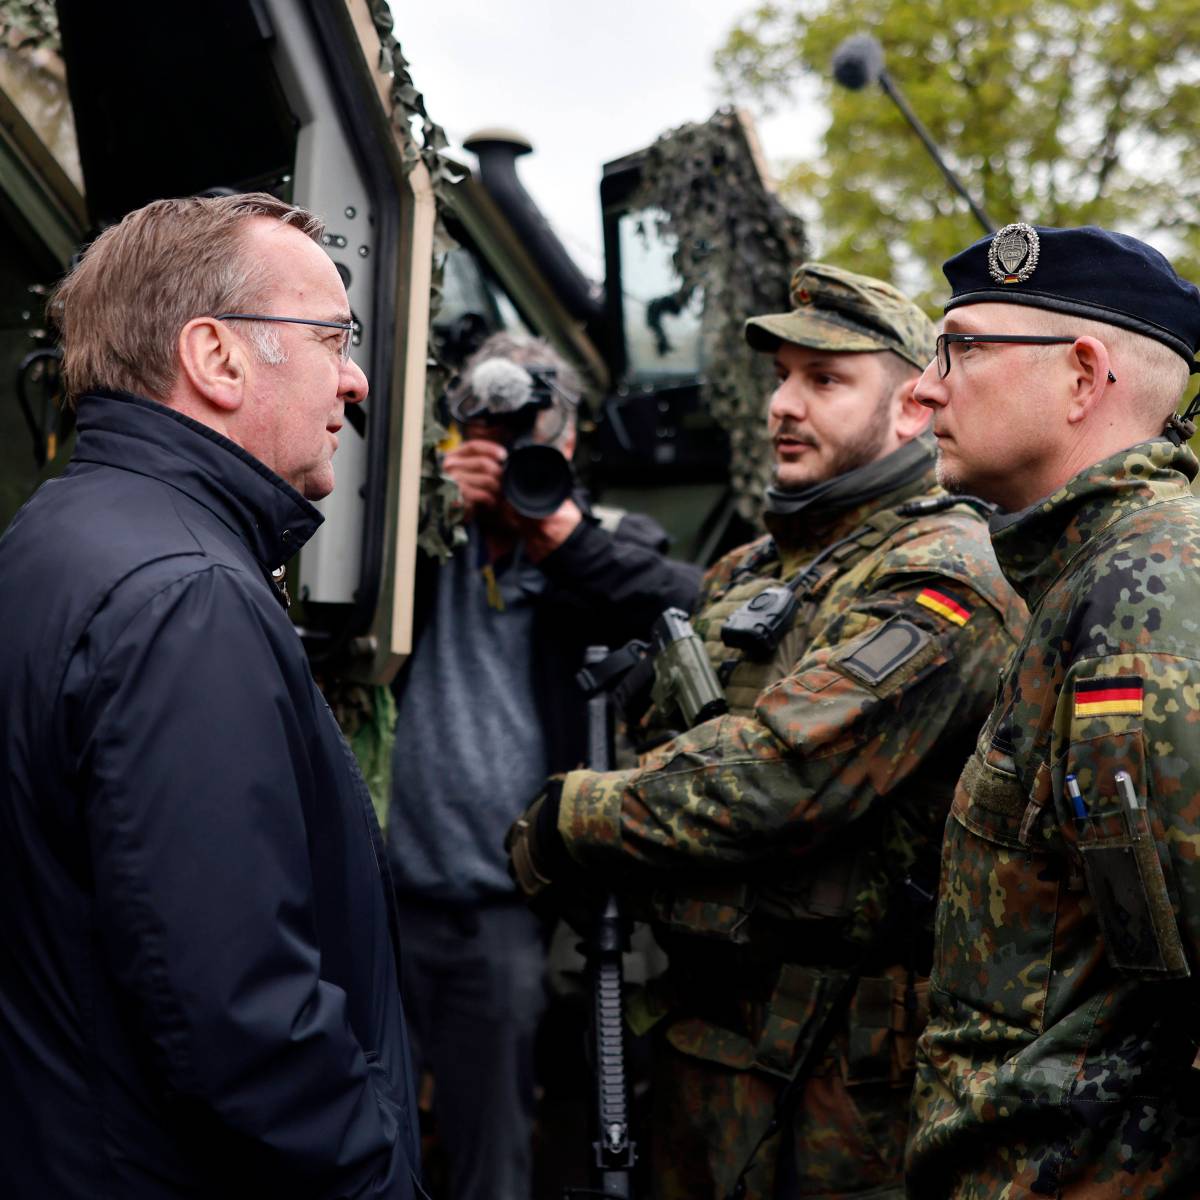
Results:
x,y
945,474
848,455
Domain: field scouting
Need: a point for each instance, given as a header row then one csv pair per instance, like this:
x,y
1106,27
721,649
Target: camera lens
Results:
x,y
537,479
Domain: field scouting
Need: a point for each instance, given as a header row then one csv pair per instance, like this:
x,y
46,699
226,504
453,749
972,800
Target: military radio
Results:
x,y
758,626
683,677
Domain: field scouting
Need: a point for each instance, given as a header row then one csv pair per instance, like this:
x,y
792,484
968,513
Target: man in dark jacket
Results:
x,y
487,707
198,992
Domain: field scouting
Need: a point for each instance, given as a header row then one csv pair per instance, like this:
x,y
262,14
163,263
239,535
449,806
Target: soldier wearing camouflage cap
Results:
x,y
771,847
1061,1056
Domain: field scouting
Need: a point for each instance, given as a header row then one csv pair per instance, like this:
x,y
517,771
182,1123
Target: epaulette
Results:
x,y
928,505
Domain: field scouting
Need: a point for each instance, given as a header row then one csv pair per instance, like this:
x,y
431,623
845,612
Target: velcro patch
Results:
x,y
1107,696
889,647
944,605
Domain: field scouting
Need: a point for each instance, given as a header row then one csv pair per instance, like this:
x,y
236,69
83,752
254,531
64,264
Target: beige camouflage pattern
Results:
x,y
767,845
1059,1060
839,310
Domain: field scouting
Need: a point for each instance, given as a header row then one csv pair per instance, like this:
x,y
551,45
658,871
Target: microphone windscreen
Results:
x,y
858,61
498,386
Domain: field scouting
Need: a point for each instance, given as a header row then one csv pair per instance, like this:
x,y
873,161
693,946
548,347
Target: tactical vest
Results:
x,y
793,931
745,679
823,892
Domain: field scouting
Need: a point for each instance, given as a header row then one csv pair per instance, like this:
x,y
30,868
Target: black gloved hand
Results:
x,y
537,854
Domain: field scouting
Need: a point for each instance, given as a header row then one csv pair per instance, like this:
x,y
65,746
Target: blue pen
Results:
x,y
1076,798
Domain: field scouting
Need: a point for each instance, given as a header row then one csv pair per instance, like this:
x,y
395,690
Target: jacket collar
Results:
x,y
1036,545
798,536
131,433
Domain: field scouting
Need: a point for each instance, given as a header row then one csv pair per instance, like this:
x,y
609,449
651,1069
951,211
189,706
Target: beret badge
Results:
x,y
1013,254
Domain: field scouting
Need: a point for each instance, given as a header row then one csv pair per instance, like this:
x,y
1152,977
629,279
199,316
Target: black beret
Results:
x,y
1089,272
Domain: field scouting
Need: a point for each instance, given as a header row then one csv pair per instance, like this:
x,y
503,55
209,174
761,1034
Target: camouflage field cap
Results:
x,y
839,310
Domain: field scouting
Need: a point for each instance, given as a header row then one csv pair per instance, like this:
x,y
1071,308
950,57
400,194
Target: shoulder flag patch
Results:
x,y
1113,695
944,606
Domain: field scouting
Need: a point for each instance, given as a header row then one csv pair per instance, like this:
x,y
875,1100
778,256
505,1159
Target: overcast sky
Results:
x,y
585,83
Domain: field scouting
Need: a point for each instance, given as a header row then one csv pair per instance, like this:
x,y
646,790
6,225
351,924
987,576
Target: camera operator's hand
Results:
x,y
477,467
542,535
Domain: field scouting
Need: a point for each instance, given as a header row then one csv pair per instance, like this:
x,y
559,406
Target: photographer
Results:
x,y
487,708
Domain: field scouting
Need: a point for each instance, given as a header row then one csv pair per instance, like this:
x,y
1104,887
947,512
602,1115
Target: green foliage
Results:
x,y
1056,112
738,244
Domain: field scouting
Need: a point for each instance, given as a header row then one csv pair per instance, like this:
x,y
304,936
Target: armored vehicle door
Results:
x,y
284,96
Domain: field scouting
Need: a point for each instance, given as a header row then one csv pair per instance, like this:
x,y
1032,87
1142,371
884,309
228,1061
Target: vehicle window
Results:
x,y
662,336
474,306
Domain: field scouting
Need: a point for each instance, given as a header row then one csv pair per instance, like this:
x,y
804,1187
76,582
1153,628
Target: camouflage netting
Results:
x,y
28,24
441,504
739,245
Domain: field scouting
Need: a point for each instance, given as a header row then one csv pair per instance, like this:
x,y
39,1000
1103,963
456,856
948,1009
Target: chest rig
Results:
x,y
741,913
774,953
746,670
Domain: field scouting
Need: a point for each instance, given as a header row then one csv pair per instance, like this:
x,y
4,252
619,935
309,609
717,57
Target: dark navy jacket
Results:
x,y
198,988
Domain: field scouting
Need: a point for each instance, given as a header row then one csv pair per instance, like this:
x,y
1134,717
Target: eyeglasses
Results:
x,y
946,340
349,328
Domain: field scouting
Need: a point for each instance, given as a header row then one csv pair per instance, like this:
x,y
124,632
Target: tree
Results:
x,y
1056,112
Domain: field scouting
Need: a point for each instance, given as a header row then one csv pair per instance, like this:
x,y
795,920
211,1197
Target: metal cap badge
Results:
x,y
1013,254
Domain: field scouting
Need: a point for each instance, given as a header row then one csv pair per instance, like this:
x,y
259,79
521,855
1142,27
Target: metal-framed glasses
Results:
x,y
350,329
946,340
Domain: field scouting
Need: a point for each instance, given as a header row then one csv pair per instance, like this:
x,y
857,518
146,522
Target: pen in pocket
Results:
x,y
1076,797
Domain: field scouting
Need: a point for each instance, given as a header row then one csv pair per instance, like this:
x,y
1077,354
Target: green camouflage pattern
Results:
x,y
839,310
1059,1060
702,187
767,845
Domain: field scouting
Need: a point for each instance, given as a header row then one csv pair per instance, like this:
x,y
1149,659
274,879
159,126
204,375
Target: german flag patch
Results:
x,y
944,606
1114,695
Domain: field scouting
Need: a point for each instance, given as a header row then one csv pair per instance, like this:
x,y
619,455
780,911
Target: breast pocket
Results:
x,y
997,906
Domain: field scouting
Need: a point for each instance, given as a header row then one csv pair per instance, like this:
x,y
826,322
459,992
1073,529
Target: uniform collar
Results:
x,y
1036,545
802,534
131,433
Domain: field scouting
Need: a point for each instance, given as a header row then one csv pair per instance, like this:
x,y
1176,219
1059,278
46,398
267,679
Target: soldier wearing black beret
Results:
x,y
1060,1056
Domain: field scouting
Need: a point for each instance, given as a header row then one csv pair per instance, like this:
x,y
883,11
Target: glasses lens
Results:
x,y
943,356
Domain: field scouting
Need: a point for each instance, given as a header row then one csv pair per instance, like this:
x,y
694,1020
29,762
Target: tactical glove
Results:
x,y
536,851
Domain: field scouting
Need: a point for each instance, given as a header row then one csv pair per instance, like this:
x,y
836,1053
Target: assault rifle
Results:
x,y
673,671
614,1151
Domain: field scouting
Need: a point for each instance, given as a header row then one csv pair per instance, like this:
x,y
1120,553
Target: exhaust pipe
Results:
x,y
498,151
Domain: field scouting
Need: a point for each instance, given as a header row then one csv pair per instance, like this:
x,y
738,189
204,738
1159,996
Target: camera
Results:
x,y
537,476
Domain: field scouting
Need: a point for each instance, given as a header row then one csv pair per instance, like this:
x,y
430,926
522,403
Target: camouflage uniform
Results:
x,y
1059,1060
768,844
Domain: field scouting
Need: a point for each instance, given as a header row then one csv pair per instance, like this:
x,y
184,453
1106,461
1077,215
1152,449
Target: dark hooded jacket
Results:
x,y
197,944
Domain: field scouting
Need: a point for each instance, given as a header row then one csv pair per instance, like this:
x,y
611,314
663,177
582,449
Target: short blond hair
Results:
x,y
1156,375
120,310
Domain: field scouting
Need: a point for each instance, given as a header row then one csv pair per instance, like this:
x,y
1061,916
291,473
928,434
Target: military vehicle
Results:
x,y
105,108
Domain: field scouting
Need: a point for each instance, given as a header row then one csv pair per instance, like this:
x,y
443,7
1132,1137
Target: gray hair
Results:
x,y
121,309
